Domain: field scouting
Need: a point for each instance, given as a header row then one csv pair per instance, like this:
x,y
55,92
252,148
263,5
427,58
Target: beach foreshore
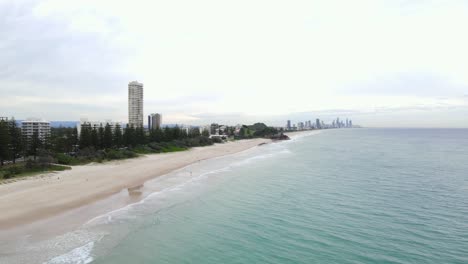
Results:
x,y
37,198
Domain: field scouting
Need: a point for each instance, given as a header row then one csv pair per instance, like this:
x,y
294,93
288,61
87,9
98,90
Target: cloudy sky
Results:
x,y
398,63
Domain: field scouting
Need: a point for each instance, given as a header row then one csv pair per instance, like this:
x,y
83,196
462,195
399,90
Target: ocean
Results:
x,y
334,196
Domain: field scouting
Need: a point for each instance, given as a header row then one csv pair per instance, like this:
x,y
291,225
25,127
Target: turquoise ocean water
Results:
x,y
340,196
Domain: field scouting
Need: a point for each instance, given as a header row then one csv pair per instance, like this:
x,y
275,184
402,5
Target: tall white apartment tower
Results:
x,y
135,104
32,125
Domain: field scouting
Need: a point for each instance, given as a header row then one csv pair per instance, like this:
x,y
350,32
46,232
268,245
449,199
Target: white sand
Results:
x,y
36,198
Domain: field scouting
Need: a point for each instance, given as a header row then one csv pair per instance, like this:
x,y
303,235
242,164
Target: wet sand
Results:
x,y
68,192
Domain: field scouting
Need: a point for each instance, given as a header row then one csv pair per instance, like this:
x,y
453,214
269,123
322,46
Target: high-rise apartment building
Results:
x,y
317,124
288,125
300,126
154,121
135,104
32,125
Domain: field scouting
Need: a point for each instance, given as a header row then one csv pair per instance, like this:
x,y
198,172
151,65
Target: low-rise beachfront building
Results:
x,y
35,125
205,128
185,128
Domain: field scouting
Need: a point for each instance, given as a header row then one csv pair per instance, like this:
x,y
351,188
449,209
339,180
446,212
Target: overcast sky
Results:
x,y
382,63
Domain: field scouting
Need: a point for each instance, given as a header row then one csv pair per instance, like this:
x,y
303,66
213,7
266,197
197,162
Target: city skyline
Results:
x,y
403,65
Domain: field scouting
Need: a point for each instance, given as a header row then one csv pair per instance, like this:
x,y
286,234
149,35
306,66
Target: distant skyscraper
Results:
x,y
288,125
300,126
155,121
317,123
350,123
135,104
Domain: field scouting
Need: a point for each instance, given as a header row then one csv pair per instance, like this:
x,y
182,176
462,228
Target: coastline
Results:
x,y
44,196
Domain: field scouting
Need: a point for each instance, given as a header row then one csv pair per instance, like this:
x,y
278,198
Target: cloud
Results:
x,y
408,84
266,60
45,54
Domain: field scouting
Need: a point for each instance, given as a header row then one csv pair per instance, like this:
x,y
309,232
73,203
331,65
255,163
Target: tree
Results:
x,y
74,138
85,136
242,132
35,144
176,133
16,144
107,139
95,138
168,135
156,135
5,142
129,136
46,142
44,158
206,133
101,137
194,132
140,137
118,140
183,133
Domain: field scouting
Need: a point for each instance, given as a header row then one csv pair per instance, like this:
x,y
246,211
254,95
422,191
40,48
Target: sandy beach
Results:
x,y
36,198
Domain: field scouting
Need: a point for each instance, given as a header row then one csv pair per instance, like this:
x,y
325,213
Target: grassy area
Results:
x,y
173,149
24,169
89,155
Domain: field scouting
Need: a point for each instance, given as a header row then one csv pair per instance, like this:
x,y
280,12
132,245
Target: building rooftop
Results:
x,y
135,83
34,120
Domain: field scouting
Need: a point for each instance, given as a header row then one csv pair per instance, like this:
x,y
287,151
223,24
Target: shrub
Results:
x,y
155,147
64,159
128,154
205,141
120,154
217,140
113,154
15,170
11,171
143,149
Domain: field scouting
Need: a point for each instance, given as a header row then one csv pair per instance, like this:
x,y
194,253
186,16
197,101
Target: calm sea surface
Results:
x,y
339,196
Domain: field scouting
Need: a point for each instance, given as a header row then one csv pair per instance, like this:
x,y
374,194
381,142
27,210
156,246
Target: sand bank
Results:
x,y
38,198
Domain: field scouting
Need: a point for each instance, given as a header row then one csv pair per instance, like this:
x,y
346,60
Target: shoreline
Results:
x,y
72,222
47,195
51,204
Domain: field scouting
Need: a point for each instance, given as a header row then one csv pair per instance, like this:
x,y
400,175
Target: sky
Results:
x,y
381,63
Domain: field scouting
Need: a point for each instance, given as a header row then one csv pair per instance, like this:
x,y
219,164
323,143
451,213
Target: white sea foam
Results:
x,y
80,255
304,134
181,174
112,215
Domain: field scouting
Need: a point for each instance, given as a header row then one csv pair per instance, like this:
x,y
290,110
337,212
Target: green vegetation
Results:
x,y
97,144
257,130
29,168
